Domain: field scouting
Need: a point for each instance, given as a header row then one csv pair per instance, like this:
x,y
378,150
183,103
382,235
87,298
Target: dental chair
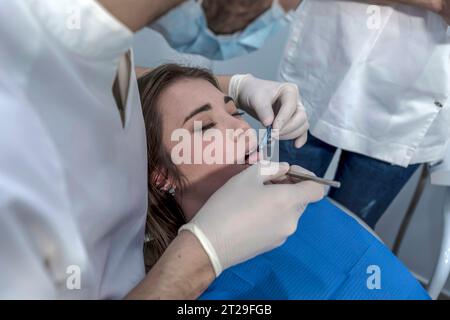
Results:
x,y
439,174
358,219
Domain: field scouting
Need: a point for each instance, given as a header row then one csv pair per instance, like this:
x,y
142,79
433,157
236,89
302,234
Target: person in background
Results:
x,y
374,78
227,17
223,29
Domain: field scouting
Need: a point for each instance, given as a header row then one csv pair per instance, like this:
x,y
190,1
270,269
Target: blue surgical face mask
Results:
x,y
185,29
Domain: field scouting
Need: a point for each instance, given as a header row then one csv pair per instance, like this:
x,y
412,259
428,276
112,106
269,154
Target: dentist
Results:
x,y
73,180
375,82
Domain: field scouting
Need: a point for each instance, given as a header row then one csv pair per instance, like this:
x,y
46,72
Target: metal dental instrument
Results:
x,y
305,177
301,176
267,143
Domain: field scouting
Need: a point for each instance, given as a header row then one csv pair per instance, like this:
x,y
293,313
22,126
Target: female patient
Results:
x,y
330,256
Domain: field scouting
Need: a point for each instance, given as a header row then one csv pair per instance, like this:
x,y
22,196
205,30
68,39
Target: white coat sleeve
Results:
x,y
38,237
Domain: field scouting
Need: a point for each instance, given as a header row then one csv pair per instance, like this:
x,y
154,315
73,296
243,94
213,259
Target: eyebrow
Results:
x,y
227,99
205,107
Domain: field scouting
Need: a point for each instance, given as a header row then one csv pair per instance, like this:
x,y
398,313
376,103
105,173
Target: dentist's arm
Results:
x,y
183,272
136,14
441,7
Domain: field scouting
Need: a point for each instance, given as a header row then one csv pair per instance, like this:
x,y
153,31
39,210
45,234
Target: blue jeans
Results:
x,y
368,186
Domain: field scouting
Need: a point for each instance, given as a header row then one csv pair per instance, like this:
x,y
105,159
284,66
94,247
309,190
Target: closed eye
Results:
x,y
208,126
238,114
227,99
213,124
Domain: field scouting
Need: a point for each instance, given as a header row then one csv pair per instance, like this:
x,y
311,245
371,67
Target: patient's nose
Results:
x,y
237,124
237,128
244,136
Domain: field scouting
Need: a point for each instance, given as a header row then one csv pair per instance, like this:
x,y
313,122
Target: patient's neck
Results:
x,y
191,201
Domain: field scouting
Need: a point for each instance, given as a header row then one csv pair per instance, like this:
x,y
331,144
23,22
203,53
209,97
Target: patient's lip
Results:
x,y
250,153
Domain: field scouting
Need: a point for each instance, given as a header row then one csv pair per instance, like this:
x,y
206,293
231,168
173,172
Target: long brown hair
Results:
x,y
165,216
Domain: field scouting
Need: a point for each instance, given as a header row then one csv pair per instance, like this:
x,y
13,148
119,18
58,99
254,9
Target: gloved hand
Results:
x,y
247,217
262,98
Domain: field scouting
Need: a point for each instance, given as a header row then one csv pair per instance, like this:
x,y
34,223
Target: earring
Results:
x,y
168,188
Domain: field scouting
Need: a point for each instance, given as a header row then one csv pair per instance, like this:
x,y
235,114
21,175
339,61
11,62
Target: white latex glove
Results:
x,y
263,98
247,217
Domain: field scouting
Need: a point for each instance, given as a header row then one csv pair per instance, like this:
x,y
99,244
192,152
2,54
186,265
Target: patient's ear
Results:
x,y
165,183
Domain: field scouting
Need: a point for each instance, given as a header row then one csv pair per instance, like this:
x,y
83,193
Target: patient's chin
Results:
x,y
210,178
232,170
221,176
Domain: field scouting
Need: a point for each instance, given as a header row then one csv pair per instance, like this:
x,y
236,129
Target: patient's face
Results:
x,y
185,104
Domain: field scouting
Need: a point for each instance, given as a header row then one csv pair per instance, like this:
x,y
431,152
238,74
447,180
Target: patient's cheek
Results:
x,y
214,149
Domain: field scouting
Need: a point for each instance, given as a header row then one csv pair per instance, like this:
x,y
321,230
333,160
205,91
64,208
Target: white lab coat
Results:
x,y
379,89
73,178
